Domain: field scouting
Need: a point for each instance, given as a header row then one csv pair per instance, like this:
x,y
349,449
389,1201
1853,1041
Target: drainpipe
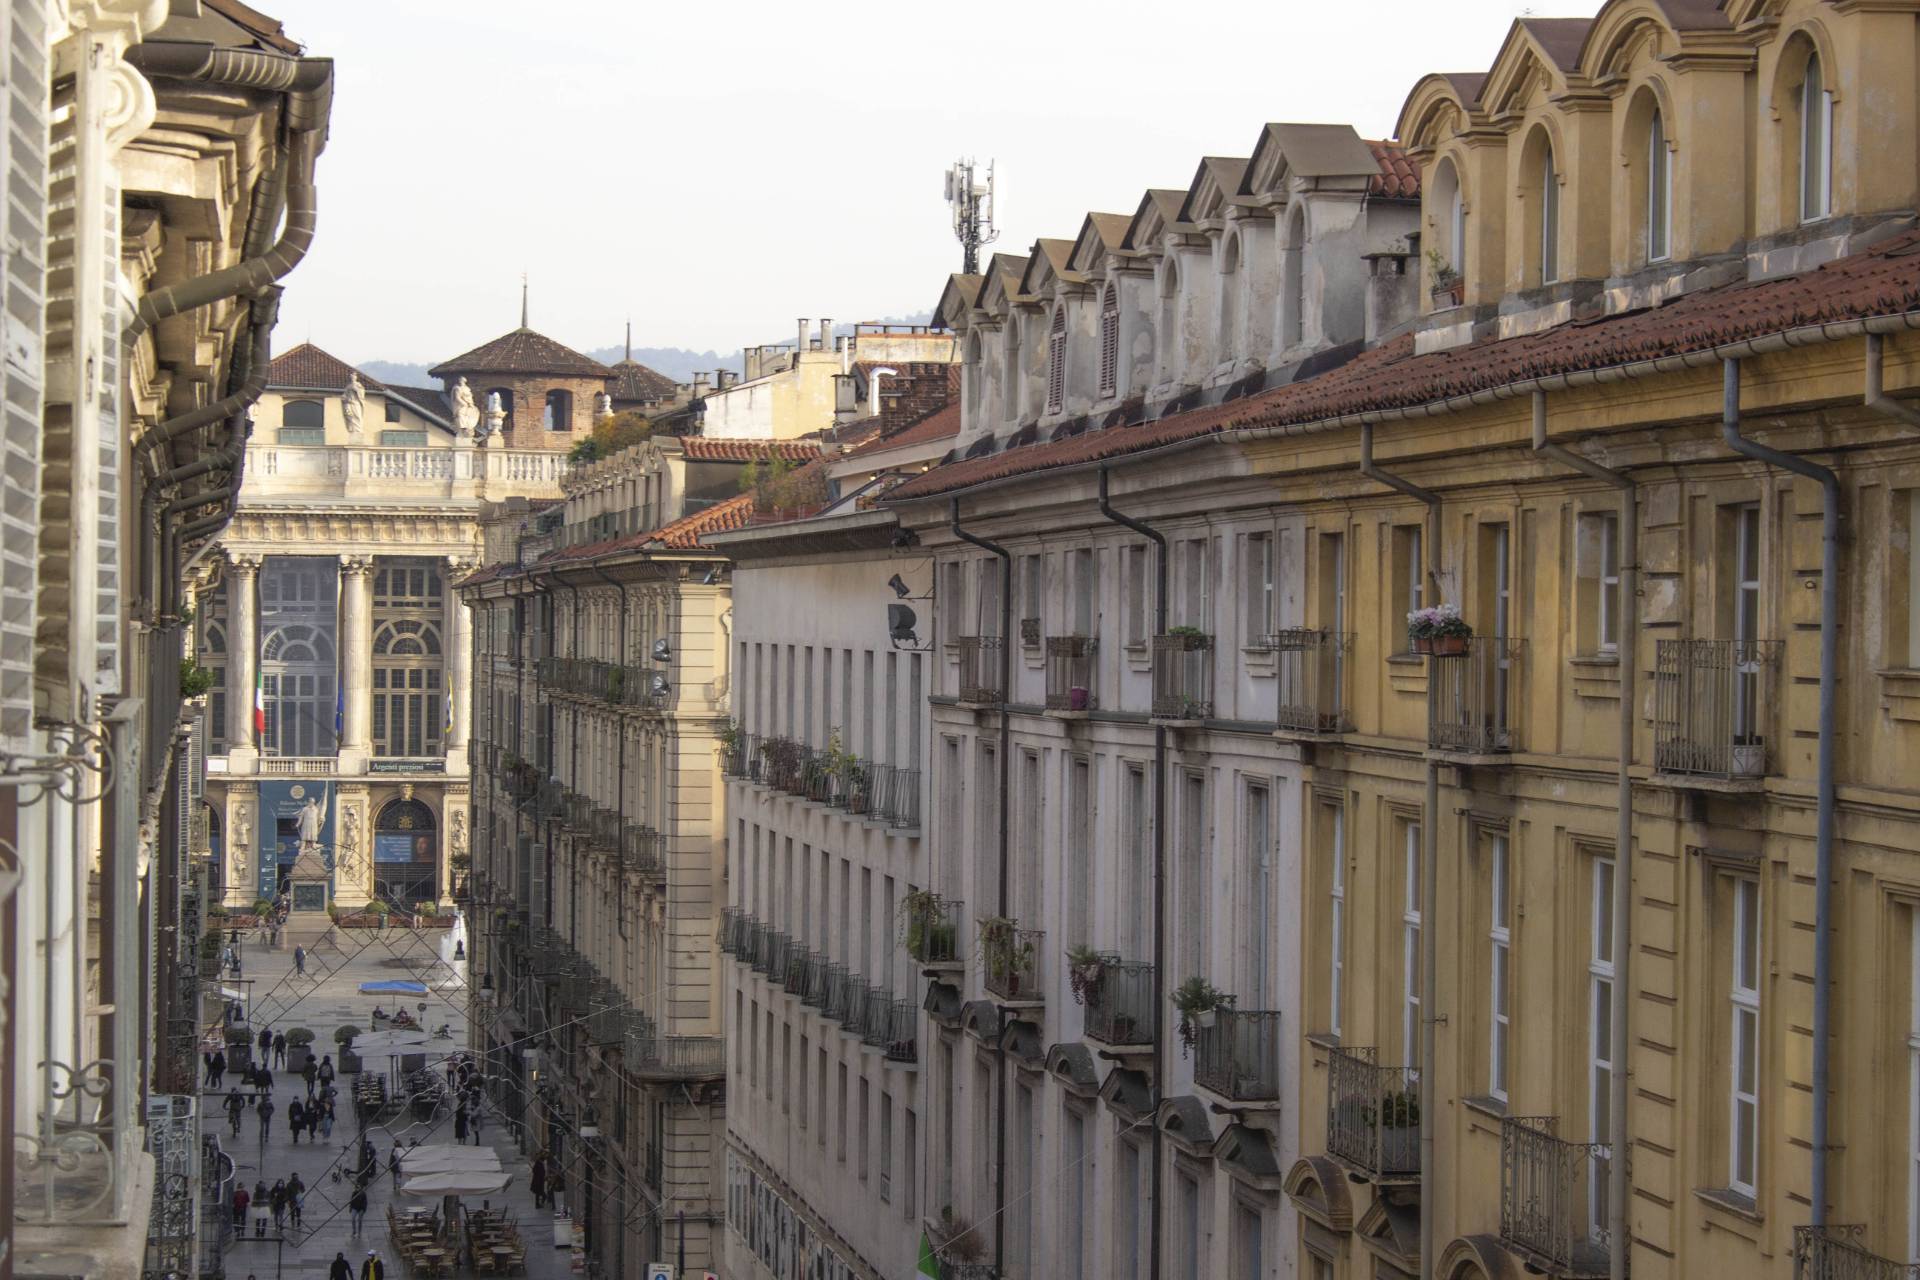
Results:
x,y
620,909
1618,1245
1429,880
1006,743
1161,1067
1823,813
1877,399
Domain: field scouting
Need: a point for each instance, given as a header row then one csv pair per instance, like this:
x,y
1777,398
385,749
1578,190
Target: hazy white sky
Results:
x,y
716,170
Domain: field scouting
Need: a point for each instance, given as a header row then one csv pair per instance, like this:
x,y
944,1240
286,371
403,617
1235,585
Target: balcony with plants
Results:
x,y
1070,674
1117,995
1183,676
1553,1199
980,670
1473,686
930,929
1712,705
1373,1116
1313,672
1236,1052
1010,956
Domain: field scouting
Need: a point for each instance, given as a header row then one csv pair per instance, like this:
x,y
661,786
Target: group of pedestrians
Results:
x,y
372,1269
281,1206
546,1181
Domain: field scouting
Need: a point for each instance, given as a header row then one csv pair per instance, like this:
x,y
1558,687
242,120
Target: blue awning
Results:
x,y
394,986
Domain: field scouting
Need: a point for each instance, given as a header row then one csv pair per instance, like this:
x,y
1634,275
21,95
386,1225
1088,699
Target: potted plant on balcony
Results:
x,y
1006,953
1190,638
1085,968
195,680
956,1238
925,932
1198,1002
1439,631
1397,1110
1445,285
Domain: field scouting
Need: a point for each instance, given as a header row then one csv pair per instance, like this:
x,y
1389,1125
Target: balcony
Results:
x,y
933,930
1472,696
841,993
902,1038
732,925
1120,1004
782,762
795,977
1314,671
644,850
579,811
1839,1253
980,670
896,797
1373,1116
606,829
678,1057
328,474
774,951
1070,674
819,981
1011,956
753,942
850,1009
1711,700
1238,1057
877,1024
733,753
1183,676
819,775
1553,1198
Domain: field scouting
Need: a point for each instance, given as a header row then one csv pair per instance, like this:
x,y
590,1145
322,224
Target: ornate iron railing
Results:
x,y
980,669
1120,1005
678,1057
877,1023
1182,676
1314,671
795,976
1473,697
1711,705
1373,1115
933,929
1011,957
902,1039
732,920
1238,1057
817,987
1840,1253
1070,672
1553,1197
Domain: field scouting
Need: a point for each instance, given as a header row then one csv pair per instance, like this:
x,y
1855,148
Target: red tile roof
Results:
x,y
634,381
308,368
1884,280
523,351
1398,176
701,449
941,424
686,532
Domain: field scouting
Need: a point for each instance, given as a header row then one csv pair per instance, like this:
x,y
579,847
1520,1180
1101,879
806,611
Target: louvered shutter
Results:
x,y
1057,360
23,141
1109,342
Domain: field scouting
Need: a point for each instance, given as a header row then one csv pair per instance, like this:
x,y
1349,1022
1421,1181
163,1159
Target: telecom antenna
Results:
x,y
972,205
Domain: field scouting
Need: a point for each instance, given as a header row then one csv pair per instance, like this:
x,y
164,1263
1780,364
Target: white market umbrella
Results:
x,y
435,1185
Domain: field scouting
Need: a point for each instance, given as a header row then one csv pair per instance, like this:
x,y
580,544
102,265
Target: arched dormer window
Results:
x,y
1540,188
1230,300
1169,335
302,422
1659,171
559,411
1293,281
971,381
1109,341
1010,370
1057,360
1816,142
1447,257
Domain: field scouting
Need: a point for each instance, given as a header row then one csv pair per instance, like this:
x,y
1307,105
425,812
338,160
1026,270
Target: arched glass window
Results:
x,y
1816,143
1293,281
409,703
213,656
1057,360
1549,219
303,413
972,373
1109,341
1659,162
559,411
406,854
1540,205
1010,370
1230,301
1169,335
506,404
1447,209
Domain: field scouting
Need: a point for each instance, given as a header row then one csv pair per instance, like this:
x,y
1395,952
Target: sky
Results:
x,y
714,172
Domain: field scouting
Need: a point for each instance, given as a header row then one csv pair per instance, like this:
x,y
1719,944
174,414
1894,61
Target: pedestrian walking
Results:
x,y
340,1269
263,1081
240,1199
265,1112
326,1118
373,1268
473,1125
219,1067
326,1068
311,1074
206,1061
261,1210
266,1042
538,1182
393,1163
296,1120
236,1107
460,1122
358,1204
280,1049
296,1200
300,961
278,1199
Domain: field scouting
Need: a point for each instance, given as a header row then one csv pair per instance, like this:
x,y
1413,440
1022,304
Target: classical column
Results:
x,y
459,657
243,652
356,657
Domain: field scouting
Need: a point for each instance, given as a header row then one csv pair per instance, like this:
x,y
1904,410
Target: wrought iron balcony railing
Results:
x,y
1011,956
902,1039
980,669
1840,1253
733,754
795,976
877,1025
1315,679
606,829
678,1057
1373,1116
774,953
1553,1207
1472,697
933,929
900,805
847,994
644,850
1120,1005
855,1022
732,924
857,787
1070,673
1238,1057
1711,700
818,982
819,775
1182,676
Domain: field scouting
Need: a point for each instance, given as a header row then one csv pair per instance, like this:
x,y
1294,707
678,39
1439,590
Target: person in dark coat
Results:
x,y
219,1067
265,1112
538,1181
206,1060
277,1198
296,1119
341,1269
326,1069
311,1074
240,1200
460,1122
279,1048
373,1268
358,1204
266,1041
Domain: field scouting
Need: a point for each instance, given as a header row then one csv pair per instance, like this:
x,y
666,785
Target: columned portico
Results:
x,y
356,667
243,609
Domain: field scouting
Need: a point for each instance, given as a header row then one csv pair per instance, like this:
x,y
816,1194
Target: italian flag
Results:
x,y
259,707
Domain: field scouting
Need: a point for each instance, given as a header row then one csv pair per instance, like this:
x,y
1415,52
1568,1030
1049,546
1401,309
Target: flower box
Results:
x,y
1440,646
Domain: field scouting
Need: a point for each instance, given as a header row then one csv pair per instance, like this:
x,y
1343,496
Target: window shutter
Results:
x,y
1057,360
1109,343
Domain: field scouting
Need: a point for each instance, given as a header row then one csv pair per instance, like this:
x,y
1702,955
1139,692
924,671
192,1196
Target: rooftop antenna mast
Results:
x,y
972,203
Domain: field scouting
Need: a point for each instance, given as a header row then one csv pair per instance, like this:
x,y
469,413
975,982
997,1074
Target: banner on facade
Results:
x,y
402,846
283,806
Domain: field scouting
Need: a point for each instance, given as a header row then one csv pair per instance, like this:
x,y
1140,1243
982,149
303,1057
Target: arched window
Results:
x,y
1816,143
1010,370
1659,163
213,656
1057,360
971,372
1109,341
302,422
1447,257
1169,335
297,686
506,404
1540,190
1293,281
1230,301
406,854
409,706
559,411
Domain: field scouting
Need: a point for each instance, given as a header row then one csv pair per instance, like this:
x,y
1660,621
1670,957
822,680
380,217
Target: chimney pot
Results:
x,y
801,345
826,334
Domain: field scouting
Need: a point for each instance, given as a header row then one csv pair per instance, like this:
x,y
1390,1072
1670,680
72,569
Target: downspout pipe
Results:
x,y
1161,1066
1619,1247
1823,812
1006,744
1429,879
259,363
1876,397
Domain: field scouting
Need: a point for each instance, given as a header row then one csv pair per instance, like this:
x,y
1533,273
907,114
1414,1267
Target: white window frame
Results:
x,y
1499,964
1549,219
1816,143
1337,918
1743,1042
1606,602
1601,993
1410,957
1258,555
1416,578
1260,834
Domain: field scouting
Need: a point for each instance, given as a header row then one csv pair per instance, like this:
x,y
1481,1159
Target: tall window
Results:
x,y
1258,605
1816,143
1659,189
1549,219
1082,584
1134,818
1499,948
409,712
1080,869
1057,360
1259,890
1746,619
213,656
1109,341
1336,819
1600,1058
405,853
1168,337
302,422
558,415
1913,1087
1228,334
297,652
1744,1041
1409,583
1140,593
1073,1199
1248,1261
1010,370
1195,874
1293,281
1410,948
1599,580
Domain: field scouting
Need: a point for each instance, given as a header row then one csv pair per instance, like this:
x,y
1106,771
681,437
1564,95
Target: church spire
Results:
x,y
629,338
523,299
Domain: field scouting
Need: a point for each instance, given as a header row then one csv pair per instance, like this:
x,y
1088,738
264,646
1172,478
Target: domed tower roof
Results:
x,y
523,351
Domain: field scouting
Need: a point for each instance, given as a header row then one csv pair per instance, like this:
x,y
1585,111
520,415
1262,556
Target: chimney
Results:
x,y
845,347
801,345
700,384
826,334
1392,292
727,378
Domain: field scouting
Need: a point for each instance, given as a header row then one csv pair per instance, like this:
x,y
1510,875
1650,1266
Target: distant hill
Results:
x,y
677,363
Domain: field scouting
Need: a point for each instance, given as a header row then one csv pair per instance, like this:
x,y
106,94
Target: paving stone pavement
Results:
x,y
327,996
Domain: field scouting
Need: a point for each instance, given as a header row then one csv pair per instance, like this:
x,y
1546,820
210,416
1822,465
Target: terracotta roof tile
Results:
x,y
1885,280
701,449
308,368
522,351
942,424
634,381
1398,178
686,532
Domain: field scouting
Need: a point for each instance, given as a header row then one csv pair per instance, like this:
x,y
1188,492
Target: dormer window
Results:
x,y
1816,143
1109,341
1447,258
1057,360
1010,371
1549,219
1230,299
1293,281
1540,193
1659,164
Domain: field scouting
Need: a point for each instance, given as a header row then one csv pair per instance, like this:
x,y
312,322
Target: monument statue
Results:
x,y
311,820
466,414
603,405
496,419
353,402
350,862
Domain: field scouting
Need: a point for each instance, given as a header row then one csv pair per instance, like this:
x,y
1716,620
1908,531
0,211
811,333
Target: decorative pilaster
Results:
x,y
356,661
353,847
243,657
459,660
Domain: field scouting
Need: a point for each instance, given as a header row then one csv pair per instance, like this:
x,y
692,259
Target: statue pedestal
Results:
x,y
309,885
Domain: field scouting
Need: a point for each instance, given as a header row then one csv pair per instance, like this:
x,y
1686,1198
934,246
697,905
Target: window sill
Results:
x,y
1407,659
1733,1202
1594,660
1323,1039
1486,1105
